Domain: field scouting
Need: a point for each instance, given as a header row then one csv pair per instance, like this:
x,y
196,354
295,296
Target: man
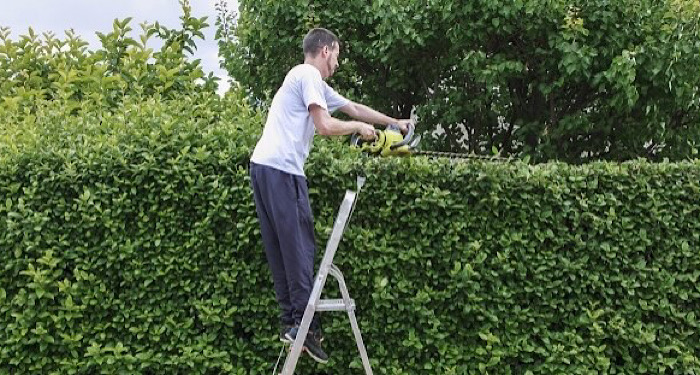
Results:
x,y
301,107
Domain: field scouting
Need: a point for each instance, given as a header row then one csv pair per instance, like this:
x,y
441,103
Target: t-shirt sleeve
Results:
x,y
333,99
312,90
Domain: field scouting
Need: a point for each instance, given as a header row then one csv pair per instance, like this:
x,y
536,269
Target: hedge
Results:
x,y
129,245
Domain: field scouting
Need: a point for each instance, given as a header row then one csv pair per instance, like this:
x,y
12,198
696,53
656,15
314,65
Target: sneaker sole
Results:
x,y
319,360
290,341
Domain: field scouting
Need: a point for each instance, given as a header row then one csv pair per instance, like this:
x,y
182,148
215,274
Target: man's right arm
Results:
x,y
327,125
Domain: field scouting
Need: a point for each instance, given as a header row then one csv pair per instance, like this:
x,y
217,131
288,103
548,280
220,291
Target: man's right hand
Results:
x,y
366,131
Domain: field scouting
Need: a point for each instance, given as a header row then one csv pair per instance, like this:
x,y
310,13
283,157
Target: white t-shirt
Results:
x,y
289,130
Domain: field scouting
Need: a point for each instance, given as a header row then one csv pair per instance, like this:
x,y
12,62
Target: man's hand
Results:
x,y
403,125
366,131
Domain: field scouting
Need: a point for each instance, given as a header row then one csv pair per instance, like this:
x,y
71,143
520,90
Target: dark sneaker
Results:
x,y
312,345
284,333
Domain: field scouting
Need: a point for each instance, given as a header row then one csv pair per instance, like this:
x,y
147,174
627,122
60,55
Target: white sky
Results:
x,y
88,16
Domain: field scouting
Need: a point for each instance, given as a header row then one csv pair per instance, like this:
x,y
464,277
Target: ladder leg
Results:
x,y
291,362
360,343
335,272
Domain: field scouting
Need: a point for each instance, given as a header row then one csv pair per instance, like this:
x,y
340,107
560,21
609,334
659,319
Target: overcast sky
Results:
x,y
88,16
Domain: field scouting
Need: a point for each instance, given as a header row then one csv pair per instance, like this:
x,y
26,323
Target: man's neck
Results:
x,y
316,64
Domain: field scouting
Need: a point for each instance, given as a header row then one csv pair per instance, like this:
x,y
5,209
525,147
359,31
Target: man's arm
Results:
x,y
327,125
364,113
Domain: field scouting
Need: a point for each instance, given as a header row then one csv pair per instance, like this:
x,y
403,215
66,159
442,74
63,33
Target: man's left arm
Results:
x,y
364,113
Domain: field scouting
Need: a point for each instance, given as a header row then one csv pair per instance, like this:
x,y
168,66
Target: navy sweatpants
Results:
x,y
286,224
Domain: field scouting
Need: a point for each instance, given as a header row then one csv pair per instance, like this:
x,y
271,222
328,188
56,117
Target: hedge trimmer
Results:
x,y
391,142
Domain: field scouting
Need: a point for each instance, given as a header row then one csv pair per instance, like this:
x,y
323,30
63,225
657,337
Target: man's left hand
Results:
x,y
403,125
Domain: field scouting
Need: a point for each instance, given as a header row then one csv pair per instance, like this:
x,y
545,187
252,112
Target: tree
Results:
x,y
34,67
548,79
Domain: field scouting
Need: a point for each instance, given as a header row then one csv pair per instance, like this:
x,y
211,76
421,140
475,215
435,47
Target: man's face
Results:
x,y
332,59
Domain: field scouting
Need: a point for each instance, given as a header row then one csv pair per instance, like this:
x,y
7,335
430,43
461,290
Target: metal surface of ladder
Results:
x,y
317,304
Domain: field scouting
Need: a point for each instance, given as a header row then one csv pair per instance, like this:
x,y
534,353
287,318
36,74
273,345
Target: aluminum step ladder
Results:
x,y
316,304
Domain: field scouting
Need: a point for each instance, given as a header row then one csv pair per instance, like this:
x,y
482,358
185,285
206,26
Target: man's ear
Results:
x,y
325,50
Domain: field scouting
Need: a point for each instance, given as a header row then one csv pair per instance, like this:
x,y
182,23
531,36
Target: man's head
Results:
x,y
321,49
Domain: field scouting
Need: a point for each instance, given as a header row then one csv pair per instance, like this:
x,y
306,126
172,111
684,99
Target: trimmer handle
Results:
x,y
406,138
357,141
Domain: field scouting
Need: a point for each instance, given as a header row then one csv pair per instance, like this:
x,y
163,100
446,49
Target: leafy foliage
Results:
x,y
573,81
36,67
120,242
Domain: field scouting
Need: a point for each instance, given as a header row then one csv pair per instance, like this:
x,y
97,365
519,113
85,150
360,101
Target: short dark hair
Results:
x,y
318,38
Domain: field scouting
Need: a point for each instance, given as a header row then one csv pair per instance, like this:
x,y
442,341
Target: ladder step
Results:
x,y
334,305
